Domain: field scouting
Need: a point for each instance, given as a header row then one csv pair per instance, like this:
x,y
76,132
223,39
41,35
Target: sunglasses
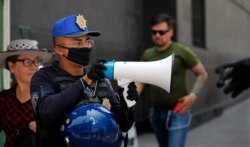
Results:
x,y
161,32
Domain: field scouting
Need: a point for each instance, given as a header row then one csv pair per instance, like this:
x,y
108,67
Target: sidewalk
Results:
x,y
231,129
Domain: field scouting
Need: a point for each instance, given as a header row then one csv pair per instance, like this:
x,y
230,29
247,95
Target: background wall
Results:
x,y
118,21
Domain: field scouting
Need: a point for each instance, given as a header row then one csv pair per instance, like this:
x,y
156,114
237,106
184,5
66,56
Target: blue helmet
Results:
x,y
90,125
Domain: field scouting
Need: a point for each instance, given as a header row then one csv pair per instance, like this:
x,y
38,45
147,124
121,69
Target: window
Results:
x,y
198,23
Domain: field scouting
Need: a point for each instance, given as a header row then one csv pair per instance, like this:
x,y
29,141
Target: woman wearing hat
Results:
x,y
22,59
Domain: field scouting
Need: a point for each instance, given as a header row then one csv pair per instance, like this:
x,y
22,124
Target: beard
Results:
x,y
159,43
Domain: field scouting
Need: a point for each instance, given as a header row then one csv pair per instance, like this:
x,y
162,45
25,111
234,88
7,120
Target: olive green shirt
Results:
x,y
184,58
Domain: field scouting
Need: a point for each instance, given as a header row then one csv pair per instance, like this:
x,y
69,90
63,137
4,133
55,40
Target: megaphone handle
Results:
x,y
124,84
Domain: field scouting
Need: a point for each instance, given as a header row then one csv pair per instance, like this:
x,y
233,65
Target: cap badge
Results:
x,y
81,22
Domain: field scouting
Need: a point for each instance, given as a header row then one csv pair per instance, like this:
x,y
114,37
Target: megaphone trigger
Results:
x,y
124,84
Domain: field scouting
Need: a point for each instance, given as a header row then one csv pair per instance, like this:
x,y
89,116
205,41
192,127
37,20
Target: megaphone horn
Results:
x,y
157,73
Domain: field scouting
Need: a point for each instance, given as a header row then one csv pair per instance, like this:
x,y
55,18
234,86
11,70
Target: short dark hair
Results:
x,y
162,17
12,59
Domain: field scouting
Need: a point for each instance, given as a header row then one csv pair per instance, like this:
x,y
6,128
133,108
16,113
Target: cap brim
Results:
x,y
77,34
44,55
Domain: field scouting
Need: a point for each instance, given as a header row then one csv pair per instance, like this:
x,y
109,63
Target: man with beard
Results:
x,y
169,122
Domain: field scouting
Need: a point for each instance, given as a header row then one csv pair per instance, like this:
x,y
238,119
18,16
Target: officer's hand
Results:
x,y
96,70
234,77
131,95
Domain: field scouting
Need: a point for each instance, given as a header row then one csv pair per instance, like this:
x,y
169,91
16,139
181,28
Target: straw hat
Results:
x,y
24,46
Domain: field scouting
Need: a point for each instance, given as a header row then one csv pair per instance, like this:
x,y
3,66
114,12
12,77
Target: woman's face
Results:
x,y
25,67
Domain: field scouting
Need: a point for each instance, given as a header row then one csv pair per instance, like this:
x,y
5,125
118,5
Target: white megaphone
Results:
x,y
157,73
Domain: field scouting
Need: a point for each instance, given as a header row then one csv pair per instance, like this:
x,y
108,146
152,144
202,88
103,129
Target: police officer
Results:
x,y
57,89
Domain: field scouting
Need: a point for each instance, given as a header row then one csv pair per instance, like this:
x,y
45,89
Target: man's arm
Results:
x,y
140,87
201,77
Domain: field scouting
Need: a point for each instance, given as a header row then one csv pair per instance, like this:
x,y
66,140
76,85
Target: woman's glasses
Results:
x,y
27,62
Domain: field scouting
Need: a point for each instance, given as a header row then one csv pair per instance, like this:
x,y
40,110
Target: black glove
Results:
x,y
96,69
234,77
132,93
125,115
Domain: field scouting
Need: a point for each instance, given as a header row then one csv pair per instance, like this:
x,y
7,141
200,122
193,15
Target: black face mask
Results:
x,y
79,55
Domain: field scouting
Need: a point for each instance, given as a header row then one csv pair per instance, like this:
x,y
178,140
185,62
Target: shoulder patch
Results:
x,y
34,99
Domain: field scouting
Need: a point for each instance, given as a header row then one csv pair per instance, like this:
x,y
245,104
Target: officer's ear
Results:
x,y
58,50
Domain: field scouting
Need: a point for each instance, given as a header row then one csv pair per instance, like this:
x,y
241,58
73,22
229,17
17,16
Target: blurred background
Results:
x,y
217,30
